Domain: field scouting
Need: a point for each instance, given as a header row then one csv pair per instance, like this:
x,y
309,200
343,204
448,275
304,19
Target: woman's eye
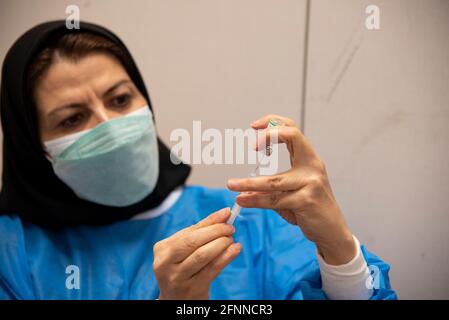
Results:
x,y
72,121
121,100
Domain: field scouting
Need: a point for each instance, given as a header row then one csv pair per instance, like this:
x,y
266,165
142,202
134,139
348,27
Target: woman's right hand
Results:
x,y
186,263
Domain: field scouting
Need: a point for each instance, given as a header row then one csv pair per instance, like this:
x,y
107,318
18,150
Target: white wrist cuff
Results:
x,y
346,281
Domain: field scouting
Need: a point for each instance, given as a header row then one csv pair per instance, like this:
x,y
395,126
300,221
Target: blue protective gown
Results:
x,y
115,261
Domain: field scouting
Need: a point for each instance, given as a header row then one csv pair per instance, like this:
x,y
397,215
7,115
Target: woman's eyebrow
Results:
x,y
77,105
115,86
67,106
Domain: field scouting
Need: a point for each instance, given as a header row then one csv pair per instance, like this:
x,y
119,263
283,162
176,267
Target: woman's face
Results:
x,y
75,96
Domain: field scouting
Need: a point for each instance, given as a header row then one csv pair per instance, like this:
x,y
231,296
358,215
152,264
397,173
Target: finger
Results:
x,y
272,200
219,216
263,122
204,255
190,241
286,181
300,149
213,269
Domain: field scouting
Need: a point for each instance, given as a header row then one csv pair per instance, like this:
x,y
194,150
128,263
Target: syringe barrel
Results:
x,y
272,123
235,211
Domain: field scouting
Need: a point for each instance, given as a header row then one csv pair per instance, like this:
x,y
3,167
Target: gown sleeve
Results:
x,y
291,269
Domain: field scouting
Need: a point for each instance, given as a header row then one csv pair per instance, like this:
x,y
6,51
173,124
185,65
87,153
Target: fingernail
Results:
x,y
220,214
232,183
242,200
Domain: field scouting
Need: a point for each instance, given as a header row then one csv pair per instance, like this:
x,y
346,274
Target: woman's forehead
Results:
x,y
67,79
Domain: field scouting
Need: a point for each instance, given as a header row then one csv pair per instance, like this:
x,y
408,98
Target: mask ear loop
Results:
x,y
49,158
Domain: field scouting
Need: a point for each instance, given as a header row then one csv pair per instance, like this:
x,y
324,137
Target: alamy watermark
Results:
x,y
72,282
372,21
229,146
373,281
72,21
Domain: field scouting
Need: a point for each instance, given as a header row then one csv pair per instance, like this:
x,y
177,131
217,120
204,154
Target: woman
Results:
x,y
92,206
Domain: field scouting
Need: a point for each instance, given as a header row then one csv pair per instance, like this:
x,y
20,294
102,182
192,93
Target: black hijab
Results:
x,y
30,189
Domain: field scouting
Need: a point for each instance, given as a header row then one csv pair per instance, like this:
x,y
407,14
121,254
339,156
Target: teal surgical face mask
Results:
x,y
114,164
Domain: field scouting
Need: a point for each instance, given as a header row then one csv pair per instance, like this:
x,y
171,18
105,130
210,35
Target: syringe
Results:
x,y
235,211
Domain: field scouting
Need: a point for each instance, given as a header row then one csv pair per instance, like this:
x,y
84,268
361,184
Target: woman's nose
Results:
x,y
101,114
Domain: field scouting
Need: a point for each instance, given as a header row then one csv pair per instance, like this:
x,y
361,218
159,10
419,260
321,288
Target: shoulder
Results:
x,y
11,229
12,239
14,272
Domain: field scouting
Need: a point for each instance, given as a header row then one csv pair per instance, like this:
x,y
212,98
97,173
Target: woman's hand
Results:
x,y
186,263
302,195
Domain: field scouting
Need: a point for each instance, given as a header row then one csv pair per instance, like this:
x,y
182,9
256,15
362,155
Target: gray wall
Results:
x,y
376,102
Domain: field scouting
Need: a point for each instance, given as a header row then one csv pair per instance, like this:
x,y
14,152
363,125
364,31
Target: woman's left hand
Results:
x,y
301,195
